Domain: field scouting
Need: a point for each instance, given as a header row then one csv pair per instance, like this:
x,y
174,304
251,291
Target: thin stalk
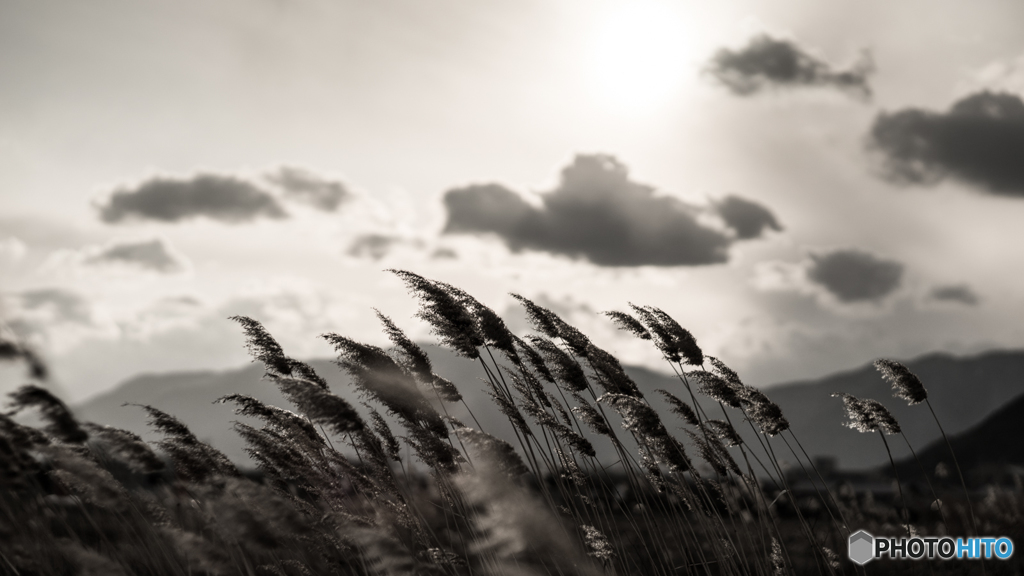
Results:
x,y
938,503
899,484
967,496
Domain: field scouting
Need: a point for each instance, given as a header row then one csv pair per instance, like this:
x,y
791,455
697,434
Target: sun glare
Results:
x,y
641,53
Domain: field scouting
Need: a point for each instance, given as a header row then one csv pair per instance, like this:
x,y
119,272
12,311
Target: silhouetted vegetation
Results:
x,y
400,486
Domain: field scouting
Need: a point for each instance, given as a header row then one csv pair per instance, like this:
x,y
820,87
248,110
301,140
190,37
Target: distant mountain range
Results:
x,y
963,391
981,450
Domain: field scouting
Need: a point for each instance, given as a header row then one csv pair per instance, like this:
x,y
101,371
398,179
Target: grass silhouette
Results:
x,y
333,493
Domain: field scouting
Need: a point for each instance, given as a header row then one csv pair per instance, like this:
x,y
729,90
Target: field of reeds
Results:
x,y
396,485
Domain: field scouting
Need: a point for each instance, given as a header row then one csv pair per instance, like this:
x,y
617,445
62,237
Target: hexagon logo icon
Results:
x,y
862,547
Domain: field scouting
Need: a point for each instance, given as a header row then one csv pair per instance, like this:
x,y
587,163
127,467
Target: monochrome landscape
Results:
x,y
298,287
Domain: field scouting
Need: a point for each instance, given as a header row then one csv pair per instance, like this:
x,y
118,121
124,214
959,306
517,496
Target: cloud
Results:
x,y
58,304
598,214
767,62
124,259
955,293
855,276
153,255
373,246
1006,75
444,253
843,276
12,248
748,219
304,186
218,197
165,314
979,140
55,319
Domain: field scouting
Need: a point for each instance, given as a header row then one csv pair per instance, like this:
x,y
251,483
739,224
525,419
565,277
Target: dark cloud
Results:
x,y
63,305
596,213
749,219
855,276
768,62
374,246
957,293
304,186
223,198
444,253
979,140
150,255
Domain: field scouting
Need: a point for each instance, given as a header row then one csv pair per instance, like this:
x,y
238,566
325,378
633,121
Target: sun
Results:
x,y
641,53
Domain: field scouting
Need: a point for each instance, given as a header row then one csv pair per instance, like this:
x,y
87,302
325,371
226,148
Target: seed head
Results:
x,y
610,374
715,387
906,384
868,415
886,421
765,413
446,312
543,320
194,460
629,324
592,418
566,370
724,372
128,446
681,408
597,545
263,348
674,341
59,421
497,453
725,432
535,360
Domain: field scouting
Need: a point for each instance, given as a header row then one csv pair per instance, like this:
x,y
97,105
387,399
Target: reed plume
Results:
x,y
905,383
448,317
60,423
193,460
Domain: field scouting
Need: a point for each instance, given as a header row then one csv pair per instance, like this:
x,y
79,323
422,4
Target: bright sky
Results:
x,y
397,102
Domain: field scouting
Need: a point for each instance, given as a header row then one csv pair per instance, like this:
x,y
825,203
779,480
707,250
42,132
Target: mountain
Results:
x,y
993,443
963,392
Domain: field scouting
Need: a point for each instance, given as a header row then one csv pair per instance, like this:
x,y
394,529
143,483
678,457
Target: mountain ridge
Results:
x,y
964,391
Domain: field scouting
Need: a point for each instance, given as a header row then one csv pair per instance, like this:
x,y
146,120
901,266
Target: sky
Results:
x,y
805,186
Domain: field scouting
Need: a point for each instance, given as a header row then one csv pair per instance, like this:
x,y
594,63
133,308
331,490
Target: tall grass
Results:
x,y
398,485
